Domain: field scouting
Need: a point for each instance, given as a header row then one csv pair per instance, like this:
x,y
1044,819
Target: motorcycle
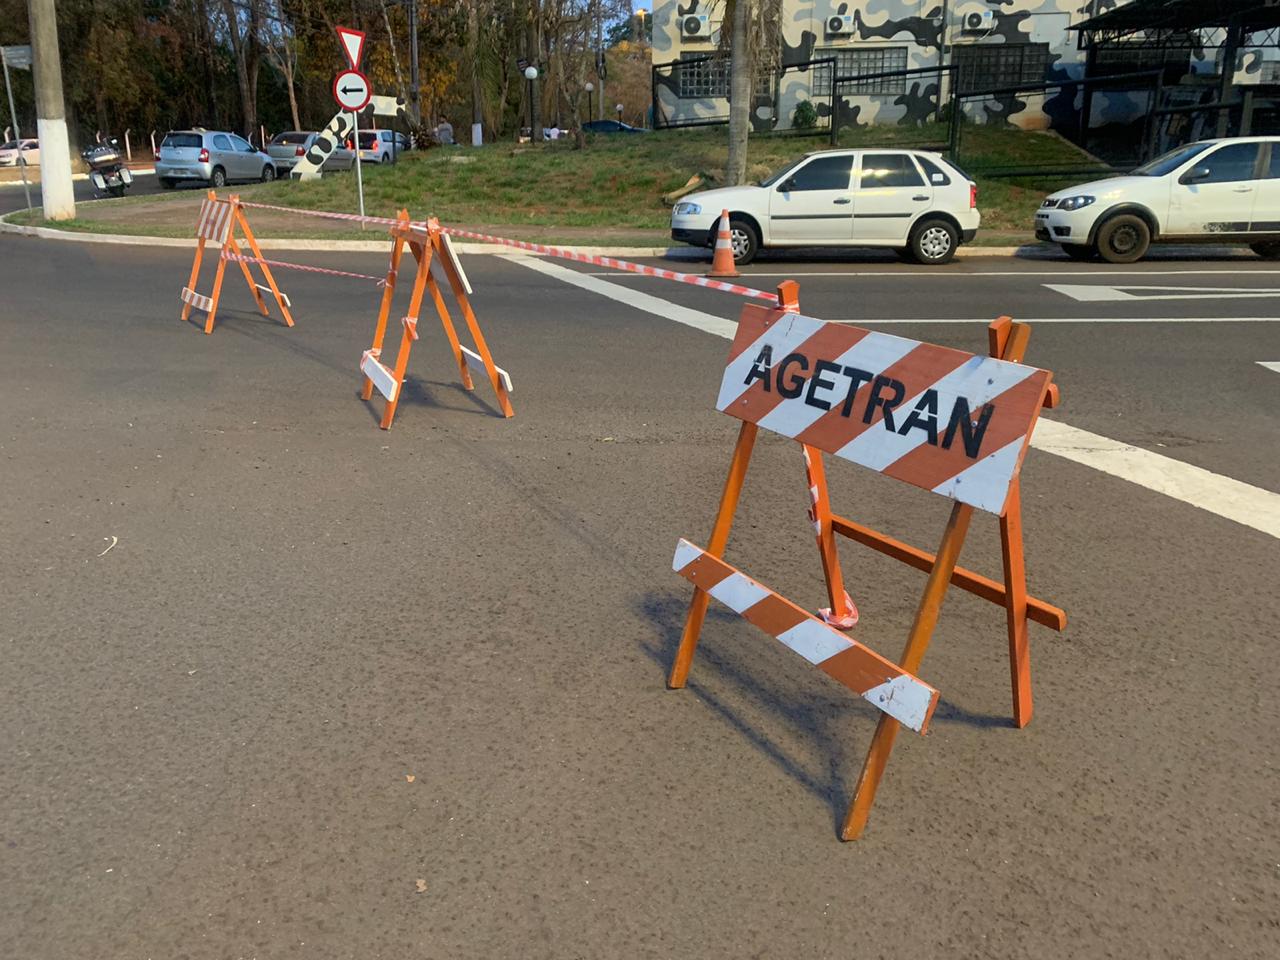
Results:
x,y
107,170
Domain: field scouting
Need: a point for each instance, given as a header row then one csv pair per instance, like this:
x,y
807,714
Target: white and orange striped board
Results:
x,y
476,363
382,378
214,222
197,300
944,420
880,682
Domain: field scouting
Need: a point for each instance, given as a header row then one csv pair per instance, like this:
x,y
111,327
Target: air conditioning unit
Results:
x,y
976,21
696,26
840,26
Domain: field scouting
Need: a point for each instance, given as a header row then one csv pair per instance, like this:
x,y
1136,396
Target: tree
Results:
x,y
740,69
243,23
281,45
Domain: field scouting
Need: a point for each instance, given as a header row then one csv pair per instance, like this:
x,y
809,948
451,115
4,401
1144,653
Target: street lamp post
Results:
x,y
591,110
531,74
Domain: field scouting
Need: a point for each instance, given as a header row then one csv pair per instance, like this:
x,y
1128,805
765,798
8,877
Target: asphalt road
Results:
x,y
278,683
12,198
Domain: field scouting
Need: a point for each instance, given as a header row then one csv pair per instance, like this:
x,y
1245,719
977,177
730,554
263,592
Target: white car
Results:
x,y
1213,191
910,200
28,150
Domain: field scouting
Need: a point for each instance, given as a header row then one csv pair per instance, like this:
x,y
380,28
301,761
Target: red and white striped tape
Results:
x,y
241,258
564,254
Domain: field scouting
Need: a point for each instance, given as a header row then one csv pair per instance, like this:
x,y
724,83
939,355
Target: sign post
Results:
x,y
351,91
20,59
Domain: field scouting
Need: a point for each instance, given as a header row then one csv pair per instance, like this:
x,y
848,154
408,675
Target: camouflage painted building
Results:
x,y
990,43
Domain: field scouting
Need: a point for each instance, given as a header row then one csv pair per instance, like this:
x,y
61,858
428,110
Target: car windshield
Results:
x,y
11,145
294,136
770,181
182,140
1170,161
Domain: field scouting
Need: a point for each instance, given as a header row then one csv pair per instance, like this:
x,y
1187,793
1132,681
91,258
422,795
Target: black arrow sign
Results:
x,y
353,89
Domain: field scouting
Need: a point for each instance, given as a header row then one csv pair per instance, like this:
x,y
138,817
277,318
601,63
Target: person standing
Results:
x,y
444,133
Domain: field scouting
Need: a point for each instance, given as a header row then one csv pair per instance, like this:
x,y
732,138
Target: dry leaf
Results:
x,y
422,886
409,778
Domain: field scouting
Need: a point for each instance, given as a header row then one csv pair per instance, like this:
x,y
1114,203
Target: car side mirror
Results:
x,y
1196,175
787,185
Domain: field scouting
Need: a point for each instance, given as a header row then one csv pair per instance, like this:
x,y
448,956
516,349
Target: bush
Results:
x,y
805,116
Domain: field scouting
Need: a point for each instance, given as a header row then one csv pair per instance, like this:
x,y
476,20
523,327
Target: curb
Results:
x,y
472,249
35,181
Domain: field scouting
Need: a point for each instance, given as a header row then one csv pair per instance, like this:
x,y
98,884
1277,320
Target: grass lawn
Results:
x,y
612,191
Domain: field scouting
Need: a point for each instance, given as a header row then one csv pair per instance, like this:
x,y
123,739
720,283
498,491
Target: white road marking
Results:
x,y
1241,502
1245,504
1270,365
867,321
937,274
1098,292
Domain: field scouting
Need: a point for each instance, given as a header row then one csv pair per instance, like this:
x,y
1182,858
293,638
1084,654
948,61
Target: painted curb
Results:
x,y
1029,251
379,246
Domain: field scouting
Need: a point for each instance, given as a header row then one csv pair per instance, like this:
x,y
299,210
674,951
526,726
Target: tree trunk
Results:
x,y
395,57
739,94
293,100
246,60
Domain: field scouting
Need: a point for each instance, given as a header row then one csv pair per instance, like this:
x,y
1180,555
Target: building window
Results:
x,y
991,66
703,78
857,62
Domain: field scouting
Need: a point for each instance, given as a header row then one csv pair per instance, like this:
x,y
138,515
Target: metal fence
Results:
x,y
694,92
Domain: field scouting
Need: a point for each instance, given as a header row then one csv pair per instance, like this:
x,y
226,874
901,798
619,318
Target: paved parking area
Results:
x,y
278,683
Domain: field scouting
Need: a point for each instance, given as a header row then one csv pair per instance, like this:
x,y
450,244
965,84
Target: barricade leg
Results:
x,y
935,592
482,348
217,292
410,333
841,614
1015,605
384,310
234,248
446,321
195,275
715,547
266,270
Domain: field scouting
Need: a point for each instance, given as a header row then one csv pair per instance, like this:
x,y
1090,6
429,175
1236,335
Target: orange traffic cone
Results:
x,y
722,262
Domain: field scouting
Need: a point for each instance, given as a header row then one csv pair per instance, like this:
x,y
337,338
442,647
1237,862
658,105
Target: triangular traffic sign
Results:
x,y
352,45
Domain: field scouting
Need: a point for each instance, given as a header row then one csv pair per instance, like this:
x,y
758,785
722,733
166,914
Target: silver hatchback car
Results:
x,y
286,149
210,156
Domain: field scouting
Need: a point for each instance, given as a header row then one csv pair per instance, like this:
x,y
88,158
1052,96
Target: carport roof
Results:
x,y
1138,16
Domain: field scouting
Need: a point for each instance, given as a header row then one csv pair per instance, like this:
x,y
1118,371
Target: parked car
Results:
x,y
382,146
212,156
28,150
1213,191
912,201
611,126
286,149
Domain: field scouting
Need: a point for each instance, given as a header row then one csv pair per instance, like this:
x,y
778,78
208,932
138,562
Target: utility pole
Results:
x,y
414,95
51,117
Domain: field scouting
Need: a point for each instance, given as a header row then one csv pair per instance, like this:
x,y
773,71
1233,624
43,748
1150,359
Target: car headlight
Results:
x,y
683,209
1075,203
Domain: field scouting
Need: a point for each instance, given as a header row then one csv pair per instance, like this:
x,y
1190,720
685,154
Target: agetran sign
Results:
x,y
941,419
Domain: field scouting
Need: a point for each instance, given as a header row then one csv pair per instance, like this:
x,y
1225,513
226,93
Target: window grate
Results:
x,y
703,78
987,66
859,61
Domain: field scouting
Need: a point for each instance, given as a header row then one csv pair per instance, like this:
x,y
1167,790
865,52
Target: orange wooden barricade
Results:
x,y
217,223
435,258
993,485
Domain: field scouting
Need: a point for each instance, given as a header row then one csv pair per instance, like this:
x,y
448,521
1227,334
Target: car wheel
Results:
x,y
218,178
268,173
166,183
116,191
1124,239
743,240
1079,251
1267,251
934,242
